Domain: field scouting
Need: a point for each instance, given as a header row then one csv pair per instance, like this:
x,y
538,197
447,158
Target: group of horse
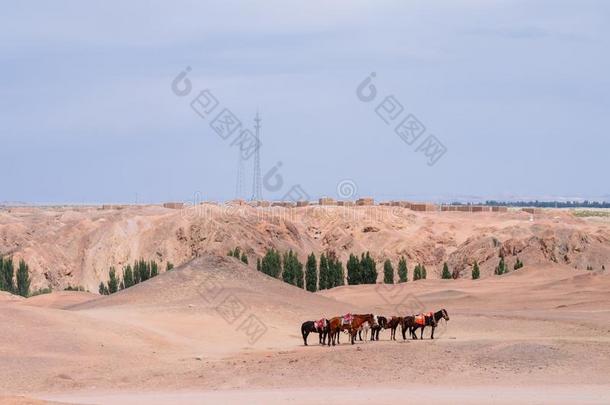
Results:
x,y
355,324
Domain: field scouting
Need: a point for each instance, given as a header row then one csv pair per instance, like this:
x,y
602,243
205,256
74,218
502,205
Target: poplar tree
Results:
x,y
113,283
324,282
417,272
354,270
311,273
501,267
127,276
446,273
271,264
388,272
6,277
475,271
23,279
402,270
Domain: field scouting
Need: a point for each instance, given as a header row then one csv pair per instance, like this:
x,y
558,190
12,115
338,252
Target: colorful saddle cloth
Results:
x,y
319,325
347,319
420,319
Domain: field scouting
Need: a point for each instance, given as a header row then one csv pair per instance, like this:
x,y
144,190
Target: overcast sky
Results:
x,y
517,93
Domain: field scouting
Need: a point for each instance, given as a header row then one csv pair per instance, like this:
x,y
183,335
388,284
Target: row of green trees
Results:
x,y
292,271
419,272
238,254
15,284
361,271
328,272
500,269
403,271
142,270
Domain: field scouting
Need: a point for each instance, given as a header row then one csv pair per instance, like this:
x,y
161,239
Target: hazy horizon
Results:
x,y
516,92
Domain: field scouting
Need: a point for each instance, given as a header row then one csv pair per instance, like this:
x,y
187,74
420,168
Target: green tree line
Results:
x,y
141,271
15,283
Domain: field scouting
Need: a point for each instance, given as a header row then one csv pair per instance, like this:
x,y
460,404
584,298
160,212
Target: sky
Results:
x,y
511,99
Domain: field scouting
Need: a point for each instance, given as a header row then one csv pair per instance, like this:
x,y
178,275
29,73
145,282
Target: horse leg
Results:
x,y
432,335
413,329
421,336
305,334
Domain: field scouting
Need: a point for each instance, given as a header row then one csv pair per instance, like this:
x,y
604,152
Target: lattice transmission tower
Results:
x,y
257,183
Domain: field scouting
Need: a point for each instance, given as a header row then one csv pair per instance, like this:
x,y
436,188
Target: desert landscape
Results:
x,y
537,334
227,202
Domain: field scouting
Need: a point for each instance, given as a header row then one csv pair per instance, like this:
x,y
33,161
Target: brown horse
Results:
x,y
368,326
392,324
359,322
337,324
429,320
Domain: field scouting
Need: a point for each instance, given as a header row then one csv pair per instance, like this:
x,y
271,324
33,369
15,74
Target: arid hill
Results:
x,y
208,308
76,246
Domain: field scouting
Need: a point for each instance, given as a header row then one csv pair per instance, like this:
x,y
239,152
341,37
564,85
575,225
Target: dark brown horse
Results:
x,y
321,327
392,324
381,322
430,319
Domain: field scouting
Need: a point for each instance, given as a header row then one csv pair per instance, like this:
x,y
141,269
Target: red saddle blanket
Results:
x,y
347,319
319,324
420,319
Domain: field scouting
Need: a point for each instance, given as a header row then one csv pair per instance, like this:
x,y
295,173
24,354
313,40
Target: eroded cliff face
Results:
x,y
76,246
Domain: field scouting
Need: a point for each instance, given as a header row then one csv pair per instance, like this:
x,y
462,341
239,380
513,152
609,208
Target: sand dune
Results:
x,y
168,335
60,299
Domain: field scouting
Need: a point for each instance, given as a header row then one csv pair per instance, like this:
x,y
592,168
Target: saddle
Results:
x,y
347,319
420,319
319,325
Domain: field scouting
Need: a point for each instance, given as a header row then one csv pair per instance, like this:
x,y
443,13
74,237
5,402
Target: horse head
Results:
x,y
445,314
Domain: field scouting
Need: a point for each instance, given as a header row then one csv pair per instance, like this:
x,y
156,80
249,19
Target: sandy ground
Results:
x,y
437,395
537,335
